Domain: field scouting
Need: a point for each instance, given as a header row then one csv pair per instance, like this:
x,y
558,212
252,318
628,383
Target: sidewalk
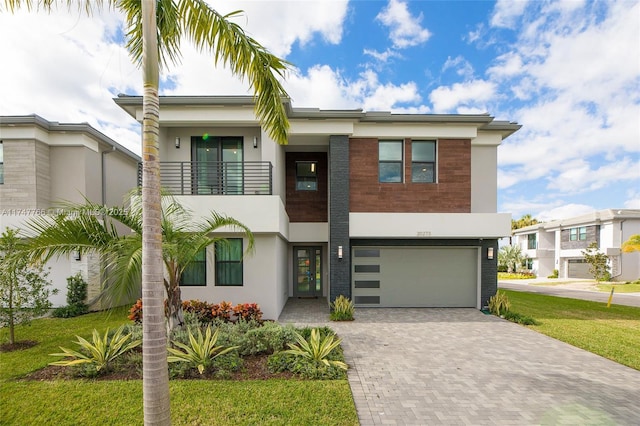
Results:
x,y
571,288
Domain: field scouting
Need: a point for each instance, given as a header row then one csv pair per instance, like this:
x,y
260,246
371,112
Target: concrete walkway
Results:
x,y
461,367
573,290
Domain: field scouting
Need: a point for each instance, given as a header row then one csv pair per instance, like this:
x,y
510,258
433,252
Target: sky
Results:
x,y
567,71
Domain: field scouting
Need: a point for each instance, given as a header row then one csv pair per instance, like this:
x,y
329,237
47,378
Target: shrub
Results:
x,y
499,304
200,352
76,297
135,313
554,274
342,309
100,352
267,339
317,348
248,312
222,311
519,318
203,311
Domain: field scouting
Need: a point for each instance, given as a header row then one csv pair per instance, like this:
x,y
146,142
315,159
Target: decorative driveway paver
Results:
x,y
461,367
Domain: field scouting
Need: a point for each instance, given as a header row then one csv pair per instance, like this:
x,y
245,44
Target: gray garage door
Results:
x,y
415,276
578,268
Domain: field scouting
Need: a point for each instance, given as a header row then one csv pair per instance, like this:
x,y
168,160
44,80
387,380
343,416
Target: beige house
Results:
x,y
43,163
390,210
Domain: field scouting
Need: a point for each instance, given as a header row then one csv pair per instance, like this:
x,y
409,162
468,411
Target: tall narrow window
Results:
x,y
229,262
582,233
306,175
390,161
1,163
423,161
531,238
195,274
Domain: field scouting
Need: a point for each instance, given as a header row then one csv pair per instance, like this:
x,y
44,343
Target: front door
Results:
x,y
307,264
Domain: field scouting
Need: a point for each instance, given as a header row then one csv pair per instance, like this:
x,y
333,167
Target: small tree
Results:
x,y
24,289
632,244
599,262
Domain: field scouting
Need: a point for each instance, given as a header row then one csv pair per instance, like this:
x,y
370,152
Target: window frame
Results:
x,y
198,263
399,162
434,163
532,242
307,179
1,162
220,263
579,233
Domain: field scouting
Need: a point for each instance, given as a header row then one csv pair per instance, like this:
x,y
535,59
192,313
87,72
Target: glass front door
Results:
x,y
307,271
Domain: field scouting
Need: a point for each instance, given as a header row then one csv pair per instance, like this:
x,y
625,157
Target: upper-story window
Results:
x,y
390,159
531,242
423,161
578,234
306,175
1,164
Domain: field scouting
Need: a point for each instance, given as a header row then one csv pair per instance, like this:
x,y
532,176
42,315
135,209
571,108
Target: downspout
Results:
x,y
104,273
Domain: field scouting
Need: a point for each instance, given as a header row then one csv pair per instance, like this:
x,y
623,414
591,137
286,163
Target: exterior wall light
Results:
x,y
255,141
178,143
490,253
339,252
76,254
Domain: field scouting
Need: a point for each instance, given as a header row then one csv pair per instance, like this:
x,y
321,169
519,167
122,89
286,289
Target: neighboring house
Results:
x,y
559,244
44,163
391,210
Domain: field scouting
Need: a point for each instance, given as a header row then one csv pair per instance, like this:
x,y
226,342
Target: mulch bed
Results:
x,y
17,346
253,368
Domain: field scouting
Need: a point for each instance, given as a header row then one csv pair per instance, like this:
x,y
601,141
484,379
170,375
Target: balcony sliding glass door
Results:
x,y
217,165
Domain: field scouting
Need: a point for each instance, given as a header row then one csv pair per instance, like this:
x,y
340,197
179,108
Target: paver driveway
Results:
x,y
461,367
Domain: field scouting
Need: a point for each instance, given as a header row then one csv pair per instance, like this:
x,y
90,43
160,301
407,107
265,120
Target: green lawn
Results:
x,y
613,332
620,288
193,402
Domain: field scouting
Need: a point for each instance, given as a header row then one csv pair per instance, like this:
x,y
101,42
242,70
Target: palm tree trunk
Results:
x,y
175,315
155,374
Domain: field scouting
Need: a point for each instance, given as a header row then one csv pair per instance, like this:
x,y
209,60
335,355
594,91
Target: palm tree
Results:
x,y
511,257
155,29
526,220
90,227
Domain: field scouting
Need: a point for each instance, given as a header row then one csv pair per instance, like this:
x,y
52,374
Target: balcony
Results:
x,y
215,177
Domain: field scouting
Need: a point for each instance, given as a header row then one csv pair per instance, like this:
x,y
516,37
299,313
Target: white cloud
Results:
x,y
406,30
506,12
563,212
462,67
382,56
469,95
279,24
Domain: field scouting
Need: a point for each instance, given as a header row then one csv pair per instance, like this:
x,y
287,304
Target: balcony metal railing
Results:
x,y
215,177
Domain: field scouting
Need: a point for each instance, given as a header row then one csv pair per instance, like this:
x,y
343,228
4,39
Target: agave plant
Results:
x,y
100,352
342,309
200,352
316,348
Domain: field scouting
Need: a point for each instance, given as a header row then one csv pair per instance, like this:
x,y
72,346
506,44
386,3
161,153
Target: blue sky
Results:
x,y
568,71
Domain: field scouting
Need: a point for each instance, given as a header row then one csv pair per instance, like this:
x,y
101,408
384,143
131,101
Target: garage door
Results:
x,y
415,276
578,268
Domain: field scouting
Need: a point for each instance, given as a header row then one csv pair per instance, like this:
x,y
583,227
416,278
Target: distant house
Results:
x,y
390,210
43,163
559,244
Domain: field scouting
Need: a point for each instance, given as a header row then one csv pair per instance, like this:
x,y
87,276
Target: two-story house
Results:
x,y
391,210
44,163
560,244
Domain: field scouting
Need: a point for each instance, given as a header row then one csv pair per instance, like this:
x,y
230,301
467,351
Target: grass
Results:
x,y
620,288
193,402
613,333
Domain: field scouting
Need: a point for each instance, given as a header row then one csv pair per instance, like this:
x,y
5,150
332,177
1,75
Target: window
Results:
x,y
576,234
306,175
195,274
390,161
423,161
229,262
1,164
531,245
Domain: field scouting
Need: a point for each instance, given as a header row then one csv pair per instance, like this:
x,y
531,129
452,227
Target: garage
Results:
x,y
578,268
415,276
